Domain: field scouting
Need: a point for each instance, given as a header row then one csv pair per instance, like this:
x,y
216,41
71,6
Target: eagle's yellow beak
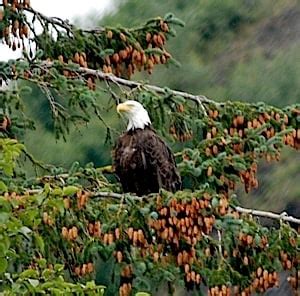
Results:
x,y
123,107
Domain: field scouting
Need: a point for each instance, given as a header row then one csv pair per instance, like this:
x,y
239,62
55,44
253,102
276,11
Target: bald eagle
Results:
x,y
142,160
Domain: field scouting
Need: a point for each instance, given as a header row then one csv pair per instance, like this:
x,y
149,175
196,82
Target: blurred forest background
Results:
x,y
247,50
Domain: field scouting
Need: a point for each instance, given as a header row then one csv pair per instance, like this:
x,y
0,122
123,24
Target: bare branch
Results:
x,y
283,216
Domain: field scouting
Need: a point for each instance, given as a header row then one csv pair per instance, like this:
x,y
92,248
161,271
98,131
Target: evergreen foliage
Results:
x,y
67,231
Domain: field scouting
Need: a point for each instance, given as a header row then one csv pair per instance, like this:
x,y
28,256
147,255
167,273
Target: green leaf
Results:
x,y
57,191
28,217
47,273
47,188
3,187
4,217
3,265
34,282
39,242
257,239
276,264
219,224
154,51
177,21
4,245
140,268
90,285
25,231
74,168
59,267
240,166
8,169
28,273
168,16
70,190
142,294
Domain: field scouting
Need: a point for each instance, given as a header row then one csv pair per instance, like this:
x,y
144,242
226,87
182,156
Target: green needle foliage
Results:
x,y
72,231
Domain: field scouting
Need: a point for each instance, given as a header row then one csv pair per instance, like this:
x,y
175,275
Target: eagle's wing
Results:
x,y
144,163
123,155
160,159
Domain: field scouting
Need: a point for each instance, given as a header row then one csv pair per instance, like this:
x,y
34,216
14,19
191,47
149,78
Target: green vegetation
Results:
x,y
66,227
229,53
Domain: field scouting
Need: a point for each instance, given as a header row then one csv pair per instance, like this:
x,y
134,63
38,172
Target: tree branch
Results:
x,y
104,194
52,20
283,216
55,21
199,99
132,84
118,196
108,169
36,162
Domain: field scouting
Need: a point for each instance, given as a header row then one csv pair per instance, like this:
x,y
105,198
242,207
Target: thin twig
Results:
x,y
108,169
50,99
36,162
283,216
52,20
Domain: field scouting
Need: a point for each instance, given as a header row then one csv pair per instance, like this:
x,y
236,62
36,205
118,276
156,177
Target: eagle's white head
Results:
x,y
136,114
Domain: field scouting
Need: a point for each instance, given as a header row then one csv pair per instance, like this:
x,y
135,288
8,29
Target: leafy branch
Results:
x,y
199,99
121,197
77,220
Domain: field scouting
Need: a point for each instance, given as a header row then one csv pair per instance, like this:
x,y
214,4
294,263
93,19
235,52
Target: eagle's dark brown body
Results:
x,y
144,163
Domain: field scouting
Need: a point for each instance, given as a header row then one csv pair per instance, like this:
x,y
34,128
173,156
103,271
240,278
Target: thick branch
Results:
x,y
118,196
134,84
102,194
283,216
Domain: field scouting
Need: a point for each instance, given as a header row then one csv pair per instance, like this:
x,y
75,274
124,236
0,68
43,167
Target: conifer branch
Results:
x,y
199,99
134,84
119,196
108,169
36,162
283,216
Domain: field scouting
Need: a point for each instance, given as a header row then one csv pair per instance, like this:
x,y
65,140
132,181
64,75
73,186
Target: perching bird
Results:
x,y
143,162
